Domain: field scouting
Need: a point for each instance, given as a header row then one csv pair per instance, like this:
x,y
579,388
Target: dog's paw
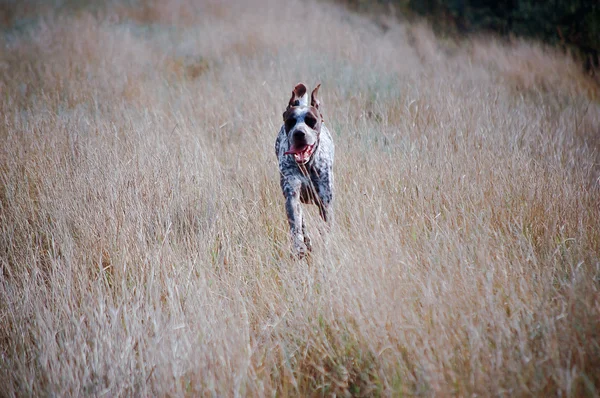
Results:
x,y
301,249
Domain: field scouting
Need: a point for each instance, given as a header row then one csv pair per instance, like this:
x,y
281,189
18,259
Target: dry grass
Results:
x,y
144,247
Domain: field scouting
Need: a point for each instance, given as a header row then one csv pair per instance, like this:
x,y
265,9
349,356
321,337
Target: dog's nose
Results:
x,y
299,135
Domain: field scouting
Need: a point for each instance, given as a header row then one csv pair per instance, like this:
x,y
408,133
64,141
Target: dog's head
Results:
x,y
303,123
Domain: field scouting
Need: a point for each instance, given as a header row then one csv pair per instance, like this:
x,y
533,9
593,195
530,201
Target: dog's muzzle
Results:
x,y
302,153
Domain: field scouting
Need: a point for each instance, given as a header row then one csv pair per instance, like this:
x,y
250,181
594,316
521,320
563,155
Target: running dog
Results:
x,y
305,151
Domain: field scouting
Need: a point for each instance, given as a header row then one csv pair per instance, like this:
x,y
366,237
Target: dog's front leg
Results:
x,y
293,209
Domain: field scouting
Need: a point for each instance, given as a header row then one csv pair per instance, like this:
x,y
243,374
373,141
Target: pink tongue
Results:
x,y
293,150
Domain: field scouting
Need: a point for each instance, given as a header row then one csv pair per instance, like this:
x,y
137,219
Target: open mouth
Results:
x,y
301,154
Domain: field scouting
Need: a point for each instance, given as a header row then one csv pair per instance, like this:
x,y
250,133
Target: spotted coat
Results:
x,y
305,151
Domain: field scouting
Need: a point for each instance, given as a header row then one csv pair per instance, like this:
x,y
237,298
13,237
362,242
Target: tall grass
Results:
x,y
143,242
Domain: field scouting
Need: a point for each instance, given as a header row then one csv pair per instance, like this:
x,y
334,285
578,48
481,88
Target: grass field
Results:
x,y
144,246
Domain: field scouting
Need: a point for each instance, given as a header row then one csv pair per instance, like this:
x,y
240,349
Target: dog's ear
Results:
x,y
314,101
299,96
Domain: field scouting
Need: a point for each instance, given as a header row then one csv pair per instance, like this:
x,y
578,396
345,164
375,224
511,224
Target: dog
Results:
x,y
305,151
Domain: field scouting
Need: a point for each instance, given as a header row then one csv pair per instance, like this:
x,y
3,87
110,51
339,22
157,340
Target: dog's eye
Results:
x,y
290,123
310,121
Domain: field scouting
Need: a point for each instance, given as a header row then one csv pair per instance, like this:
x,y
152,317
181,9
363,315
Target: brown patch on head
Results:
x,y
298,96
313,118
297,105
289,114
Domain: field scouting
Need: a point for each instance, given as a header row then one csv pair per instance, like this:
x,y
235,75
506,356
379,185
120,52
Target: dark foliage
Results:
x,y
574,24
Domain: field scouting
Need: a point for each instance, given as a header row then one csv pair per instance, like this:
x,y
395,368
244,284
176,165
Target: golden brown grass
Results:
x,y
144,248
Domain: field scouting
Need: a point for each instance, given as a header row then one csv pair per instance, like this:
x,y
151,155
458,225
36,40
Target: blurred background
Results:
x,y
572,24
